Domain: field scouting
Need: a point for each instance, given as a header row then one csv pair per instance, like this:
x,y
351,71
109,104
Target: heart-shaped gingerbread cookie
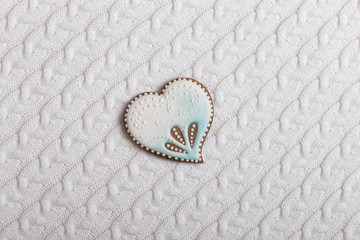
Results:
x,y
173,124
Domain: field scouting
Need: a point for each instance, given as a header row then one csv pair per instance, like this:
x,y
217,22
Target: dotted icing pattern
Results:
x,y
180,142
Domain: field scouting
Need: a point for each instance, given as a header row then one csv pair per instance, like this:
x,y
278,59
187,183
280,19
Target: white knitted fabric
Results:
x,y
282,159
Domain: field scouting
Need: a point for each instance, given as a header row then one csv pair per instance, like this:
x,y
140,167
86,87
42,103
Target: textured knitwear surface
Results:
x,y
282,159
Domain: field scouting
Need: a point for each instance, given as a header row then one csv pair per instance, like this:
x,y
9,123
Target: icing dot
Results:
x,y
172,148
168,145
194,125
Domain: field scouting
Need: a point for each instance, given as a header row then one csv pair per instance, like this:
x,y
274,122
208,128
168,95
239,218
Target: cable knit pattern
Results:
x,y
282,159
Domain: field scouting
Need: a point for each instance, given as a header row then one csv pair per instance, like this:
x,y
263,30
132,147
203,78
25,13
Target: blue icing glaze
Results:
x,y
198,113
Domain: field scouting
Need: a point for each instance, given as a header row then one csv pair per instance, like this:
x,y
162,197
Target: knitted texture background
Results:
x,y
282,159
